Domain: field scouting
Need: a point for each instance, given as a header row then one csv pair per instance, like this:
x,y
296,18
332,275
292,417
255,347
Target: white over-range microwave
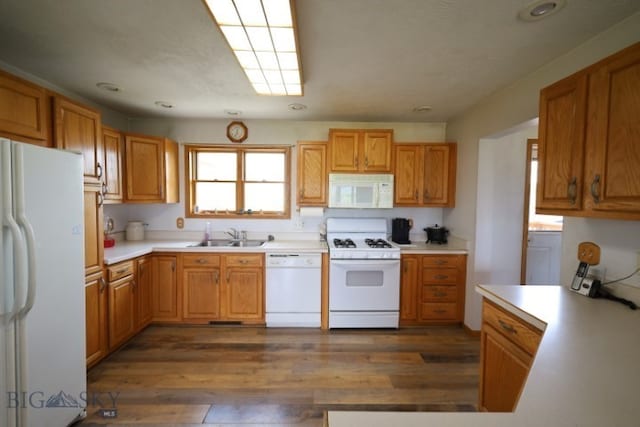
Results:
x,y
363,191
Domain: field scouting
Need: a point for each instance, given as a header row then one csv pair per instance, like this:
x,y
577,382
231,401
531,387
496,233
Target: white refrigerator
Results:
x,y
42,304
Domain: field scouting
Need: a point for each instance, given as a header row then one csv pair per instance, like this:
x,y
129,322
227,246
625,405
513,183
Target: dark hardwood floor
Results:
x,y
233,375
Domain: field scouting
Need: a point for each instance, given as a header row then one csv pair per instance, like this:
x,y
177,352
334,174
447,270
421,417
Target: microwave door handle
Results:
x,y
376,195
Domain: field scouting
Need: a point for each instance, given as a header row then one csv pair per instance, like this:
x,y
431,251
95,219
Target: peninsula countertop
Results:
x,y
585,372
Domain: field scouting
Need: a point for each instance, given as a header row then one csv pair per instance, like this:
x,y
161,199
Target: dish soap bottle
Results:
x,y
207,231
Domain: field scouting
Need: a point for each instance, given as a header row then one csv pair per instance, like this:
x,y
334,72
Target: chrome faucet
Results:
x,y
235,234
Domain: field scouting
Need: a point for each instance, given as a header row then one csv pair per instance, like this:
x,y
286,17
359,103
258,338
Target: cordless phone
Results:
x,y
583,268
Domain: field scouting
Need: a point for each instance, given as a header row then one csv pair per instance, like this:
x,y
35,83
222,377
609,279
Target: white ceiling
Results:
x,y
363,60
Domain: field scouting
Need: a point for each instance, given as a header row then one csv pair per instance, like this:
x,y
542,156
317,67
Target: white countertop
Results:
x,y
124,250
585,372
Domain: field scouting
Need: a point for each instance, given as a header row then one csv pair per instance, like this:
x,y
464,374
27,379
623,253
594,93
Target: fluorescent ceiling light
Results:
x,y
262,35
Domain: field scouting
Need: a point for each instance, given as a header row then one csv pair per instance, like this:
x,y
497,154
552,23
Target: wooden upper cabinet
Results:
x,y
93,229
312,174
408,174
439,175
78,128
113,151
425,174
589,141
357,150
561,144
151,169
612,161
23,110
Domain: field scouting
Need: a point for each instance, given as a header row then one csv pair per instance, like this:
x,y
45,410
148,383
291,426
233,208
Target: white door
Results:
x,y
543,258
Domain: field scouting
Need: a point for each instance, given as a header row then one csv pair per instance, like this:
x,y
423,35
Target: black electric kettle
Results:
x,y
400,230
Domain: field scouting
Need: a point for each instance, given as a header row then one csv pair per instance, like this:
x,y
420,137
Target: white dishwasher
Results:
x,y
293,290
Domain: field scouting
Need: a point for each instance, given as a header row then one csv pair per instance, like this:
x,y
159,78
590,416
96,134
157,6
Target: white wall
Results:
x,y
163,217
500,208
513,105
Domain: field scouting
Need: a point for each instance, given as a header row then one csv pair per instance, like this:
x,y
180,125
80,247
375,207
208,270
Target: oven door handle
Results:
x,y
355,262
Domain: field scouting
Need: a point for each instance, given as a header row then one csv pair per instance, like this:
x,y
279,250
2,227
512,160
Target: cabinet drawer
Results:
x,y
244,260
201,260
516,330
438,311
438,276
431,293
117,271
444,261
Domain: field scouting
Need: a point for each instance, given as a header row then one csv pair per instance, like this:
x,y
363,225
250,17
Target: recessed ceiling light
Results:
x,y
540,9
164,104
233,112
422,109
109,86
297,107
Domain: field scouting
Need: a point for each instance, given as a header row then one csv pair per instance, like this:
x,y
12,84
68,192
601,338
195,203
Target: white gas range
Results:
x,y
364,274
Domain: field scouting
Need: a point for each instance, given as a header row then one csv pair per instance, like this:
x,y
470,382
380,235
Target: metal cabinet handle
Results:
x,y
356,162
440,262
439,294
123,270
104,188
102,284
228,276
301,192
441,276
217,277
426,194
173,266
507,327
416,195
366,161
440,311
134,285
244,261
100,199
202,261
572,190
595,188
99,170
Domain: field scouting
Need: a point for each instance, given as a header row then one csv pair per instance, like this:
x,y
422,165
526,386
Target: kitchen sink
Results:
x,y
230,243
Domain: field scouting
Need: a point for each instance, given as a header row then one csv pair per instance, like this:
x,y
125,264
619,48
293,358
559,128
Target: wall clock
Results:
x,y
237,132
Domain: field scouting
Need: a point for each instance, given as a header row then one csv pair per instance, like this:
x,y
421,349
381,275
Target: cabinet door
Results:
x,y
113,150
144,158
165,290
201,294
78,128
408,175
144,276
504,369
93,229
23,109
312,174
244,294
613,136
561,145
409,287
96,320
439,175
121,311
376,148
343,150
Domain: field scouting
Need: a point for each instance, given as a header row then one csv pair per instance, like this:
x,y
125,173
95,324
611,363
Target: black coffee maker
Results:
x,y
400,230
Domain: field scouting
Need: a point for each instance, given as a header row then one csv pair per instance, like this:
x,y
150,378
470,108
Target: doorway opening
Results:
x,y
541,234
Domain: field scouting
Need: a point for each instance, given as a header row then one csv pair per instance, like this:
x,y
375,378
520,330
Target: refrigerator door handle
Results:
x,y
16,235
24,223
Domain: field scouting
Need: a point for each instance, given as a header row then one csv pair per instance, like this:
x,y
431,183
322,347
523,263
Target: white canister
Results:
x,y
135,230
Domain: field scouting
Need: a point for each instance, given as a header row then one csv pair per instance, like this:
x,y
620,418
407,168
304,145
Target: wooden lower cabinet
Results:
x,y
143,292
432,289
166,294
223,287
508,346
96,323
122,305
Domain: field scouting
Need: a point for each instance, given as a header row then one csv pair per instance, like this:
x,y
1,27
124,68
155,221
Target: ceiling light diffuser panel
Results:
x,y
263,38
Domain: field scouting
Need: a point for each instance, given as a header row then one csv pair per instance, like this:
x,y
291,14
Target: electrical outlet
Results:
x,y
180,223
